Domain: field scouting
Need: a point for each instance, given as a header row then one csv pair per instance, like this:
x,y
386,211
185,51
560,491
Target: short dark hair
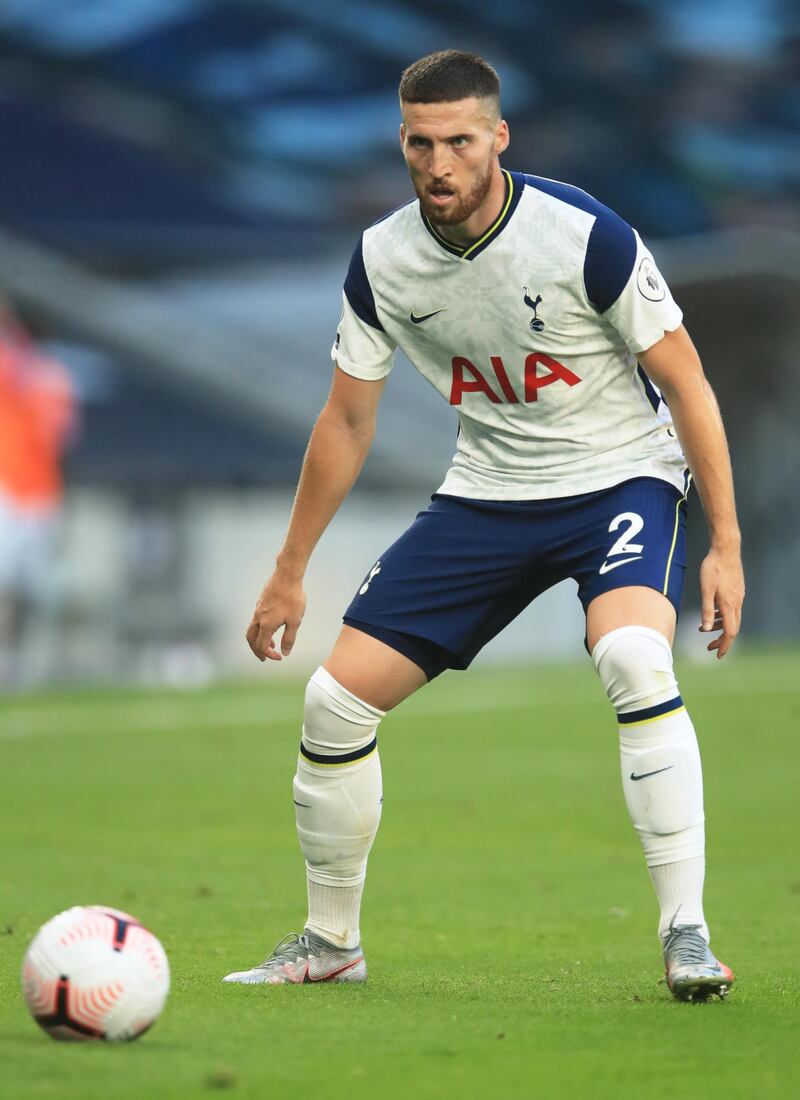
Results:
x,y
447,76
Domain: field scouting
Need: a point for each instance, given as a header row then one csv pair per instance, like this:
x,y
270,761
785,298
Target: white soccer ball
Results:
x,y
95,973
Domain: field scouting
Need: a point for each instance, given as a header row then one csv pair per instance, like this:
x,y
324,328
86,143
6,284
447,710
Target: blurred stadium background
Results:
x,y
182,184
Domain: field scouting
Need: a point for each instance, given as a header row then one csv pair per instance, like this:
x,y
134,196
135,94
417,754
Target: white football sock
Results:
x,y
337,796
661,774
679,888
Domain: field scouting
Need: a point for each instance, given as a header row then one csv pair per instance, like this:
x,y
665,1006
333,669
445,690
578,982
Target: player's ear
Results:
x,y
402,134
501,137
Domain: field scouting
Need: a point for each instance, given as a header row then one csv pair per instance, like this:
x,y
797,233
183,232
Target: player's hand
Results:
x,y
281,604
722,595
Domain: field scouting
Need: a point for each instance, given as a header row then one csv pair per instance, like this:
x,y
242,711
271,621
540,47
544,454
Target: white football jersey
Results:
x,y
531,333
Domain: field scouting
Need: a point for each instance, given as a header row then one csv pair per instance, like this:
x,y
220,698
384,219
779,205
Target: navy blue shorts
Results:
x,y
465,568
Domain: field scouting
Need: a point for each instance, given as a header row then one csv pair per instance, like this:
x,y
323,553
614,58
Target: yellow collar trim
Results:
x,y
465,251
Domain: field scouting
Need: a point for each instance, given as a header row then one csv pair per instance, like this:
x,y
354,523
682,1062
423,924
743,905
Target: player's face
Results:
x,y
451,150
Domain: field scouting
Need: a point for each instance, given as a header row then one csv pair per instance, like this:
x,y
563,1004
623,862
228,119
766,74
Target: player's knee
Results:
x,y
634,664
336,722
659,757
337,788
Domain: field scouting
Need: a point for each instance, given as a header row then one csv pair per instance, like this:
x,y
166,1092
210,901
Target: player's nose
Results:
x,y
440,164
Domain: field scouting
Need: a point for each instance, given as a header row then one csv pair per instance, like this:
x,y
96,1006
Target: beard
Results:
x,y
465,204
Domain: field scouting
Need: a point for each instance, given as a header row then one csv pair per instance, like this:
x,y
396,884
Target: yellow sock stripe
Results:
x,y
647,721
503,213
675,536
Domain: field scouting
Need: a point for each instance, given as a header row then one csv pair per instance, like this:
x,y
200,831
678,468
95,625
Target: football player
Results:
x,y
584,413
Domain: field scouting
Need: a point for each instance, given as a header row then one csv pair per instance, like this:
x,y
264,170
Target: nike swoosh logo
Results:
x,y
303,804
607,566
644,775
418,320
308,980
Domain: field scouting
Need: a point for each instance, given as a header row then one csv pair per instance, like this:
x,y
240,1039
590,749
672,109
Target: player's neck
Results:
x,y
481,219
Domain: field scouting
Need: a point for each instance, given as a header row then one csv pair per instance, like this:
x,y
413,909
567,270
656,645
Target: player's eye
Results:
x,y
462,139
418,142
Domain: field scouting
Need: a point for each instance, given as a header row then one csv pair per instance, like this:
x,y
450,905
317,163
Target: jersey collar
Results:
x,y
514,188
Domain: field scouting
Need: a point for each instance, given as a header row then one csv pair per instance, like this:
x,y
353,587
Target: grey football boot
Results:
x,y
693,972
301,960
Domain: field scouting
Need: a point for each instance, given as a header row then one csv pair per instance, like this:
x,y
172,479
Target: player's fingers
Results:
x,y
709,610
731,615
266,641
289,637
252,639
721,645
716,625
261,642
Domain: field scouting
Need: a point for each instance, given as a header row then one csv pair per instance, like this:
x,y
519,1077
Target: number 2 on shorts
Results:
x,y
623,545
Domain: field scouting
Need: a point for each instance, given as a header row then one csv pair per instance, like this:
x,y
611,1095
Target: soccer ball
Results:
x,y
95,973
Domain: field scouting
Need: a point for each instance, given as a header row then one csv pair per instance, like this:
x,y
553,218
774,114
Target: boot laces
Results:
x,y
686,945
288,949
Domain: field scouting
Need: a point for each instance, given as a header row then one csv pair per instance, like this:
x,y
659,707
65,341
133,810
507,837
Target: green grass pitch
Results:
x,y
509,921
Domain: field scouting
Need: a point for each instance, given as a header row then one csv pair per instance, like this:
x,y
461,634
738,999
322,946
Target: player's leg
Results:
x,y
630,573
338,797
338,790
629,633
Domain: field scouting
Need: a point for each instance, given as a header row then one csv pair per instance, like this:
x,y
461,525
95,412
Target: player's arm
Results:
x,y
674,365
336,451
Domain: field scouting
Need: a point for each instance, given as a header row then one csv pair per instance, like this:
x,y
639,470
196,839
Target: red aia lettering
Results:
x,y
533,381
460,386
502,378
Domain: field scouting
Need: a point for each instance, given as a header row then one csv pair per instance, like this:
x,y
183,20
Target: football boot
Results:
x,y
693,972
301,960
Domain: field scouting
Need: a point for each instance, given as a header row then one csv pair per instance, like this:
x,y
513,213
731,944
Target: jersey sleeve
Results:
x,y
623,283
362,347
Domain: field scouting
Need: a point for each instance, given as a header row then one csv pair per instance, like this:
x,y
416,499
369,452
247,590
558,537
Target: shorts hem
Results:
x,y
675,600
431,658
